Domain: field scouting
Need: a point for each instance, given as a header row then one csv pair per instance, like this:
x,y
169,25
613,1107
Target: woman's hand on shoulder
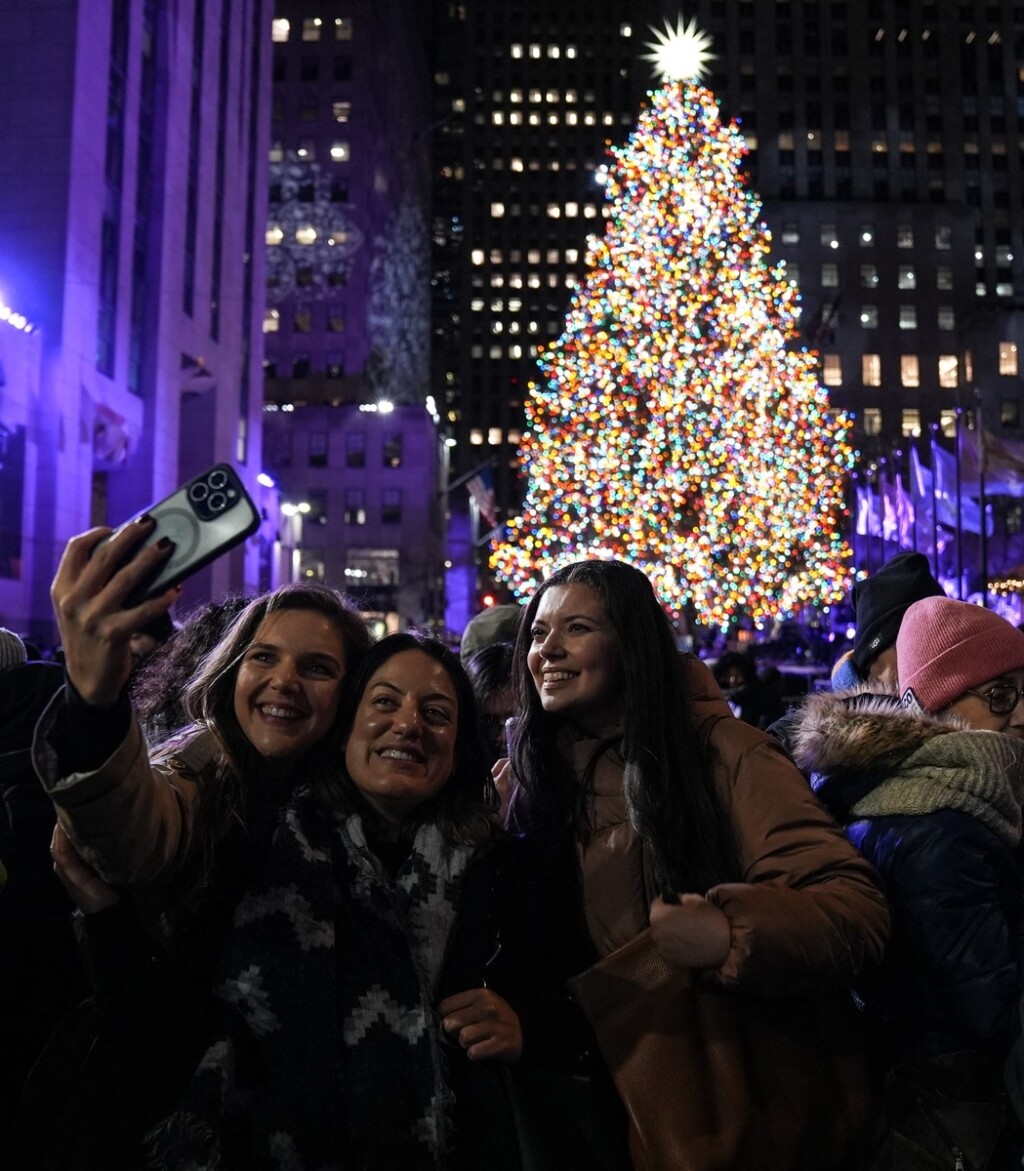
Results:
x,y
692,933
484,1024
88,593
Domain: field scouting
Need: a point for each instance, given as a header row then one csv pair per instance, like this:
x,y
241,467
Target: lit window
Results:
x,y
570,51
515,164
279,30
498,118
515,118
554,211
276,154
943,276
869,316
871,421
910,423
829,239
307,149
311,28
904,236
1008,358
944,237
271,321
871,369
339,152
494,435
515,95
589,211
341,111
476,436
535,52
625,30
866,235
477,256
516,50
554,50
306,234
907,277
572,209
948,370
947,318
832,374
343,28
830,276
274,234
910,370
869,276
571,255
908,317
1004,289
497,210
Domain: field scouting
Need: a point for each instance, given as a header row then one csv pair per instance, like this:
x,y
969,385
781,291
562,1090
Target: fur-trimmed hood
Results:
x,y
866,755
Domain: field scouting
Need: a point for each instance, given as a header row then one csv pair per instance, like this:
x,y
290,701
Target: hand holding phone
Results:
x,y
203,519
108,585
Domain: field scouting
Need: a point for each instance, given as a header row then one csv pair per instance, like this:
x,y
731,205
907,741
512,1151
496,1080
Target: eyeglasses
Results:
x,y
1001,699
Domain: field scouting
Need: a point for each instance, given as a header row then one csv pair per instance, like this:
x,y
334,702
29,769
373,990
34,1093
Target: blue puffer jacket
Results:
x,y
937,809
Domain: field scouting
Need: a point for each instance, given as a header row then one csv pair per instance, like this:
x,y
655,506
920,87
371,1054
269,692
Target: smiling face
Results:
x,y
401,750
575,660
288,684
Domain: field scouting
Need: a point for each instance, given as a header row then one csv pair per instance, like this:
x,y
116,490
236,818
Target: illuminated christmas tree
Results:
x,y
681,426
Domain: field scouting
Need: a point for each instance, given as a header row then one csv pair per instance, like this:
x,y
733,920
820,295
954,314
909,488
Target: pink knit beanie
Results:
x,y
945,648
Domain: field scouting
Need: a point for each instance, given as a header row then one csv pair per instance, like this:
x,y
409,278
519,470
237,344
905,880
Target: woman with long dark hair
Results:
x,y
675,833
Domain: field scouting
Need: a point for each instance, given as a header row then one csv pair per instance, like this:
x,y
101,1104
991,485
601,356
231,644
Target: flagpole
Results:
x,y
983,525
935,516
960,516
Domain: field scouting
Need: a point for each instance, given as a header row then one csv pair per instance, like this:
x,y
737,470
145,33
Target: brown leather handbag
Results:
x,y
713,1080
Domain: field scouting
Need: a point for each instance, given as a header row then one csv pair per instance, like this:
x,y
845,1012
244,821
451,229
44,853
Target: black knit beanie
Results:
x,y
881,600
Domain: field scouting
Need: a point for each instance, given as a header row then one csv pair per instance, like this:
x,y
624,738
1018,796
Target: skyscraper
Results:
x,y
132,200
352,437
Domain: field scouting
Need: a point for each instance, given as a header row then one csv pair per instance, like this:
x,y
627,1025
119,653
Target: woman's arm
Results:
x,y
810,909
126,820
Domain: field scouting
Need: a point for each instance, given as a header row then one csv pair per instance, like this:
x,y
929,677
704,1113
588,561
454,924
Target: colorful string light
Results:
x,y
680,425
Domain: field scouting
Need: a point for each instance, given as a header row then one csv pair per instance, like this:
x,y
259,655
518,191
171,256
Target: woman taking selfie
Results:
x,y
684,857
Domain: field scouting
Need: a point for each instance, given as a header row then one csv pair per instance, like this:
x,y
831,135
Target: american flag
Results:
x,y
481,488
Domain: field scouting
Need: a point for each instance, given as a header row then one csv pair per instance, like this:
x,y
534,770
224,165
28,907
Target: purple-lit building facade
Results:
x,y
132,210
346,323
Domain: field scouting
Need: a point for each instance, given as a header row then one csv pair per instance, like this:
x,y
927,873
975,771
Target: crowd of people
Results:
x,y
284,896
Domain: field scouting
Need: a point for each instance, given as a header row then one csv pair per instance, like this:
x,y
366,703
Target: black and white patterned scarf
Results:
x,y
331,1053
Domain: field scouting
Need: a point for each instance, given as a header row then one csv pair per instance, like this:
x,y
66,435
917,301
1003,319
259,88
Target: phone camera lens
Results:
x,y
198,491
217,502
217,480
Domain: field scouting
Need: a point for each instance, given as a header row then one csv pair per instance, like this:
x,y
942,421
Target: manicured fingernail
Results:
x,y
165,543
144,519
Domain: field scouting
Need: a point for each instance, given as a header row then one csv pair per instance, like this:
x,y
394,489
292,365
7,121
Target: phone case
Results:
x,y
204,518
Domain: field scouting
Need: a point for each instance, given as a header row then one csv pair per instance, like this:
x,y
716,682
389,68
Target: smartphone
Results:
x,y
204,518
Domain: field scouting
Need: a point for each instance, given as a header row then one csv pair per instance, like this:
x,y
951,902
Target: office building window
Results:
x,y
391,506
908,317
943,276
279,30
832,370
355,506
871,421
1008,358
871,369
904,236
830,276
392,450
343,28
948,367
318,449
869,276
1009,413
946,317
355,449
906,277
311,26
869,316
866,235
910,423
910,370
